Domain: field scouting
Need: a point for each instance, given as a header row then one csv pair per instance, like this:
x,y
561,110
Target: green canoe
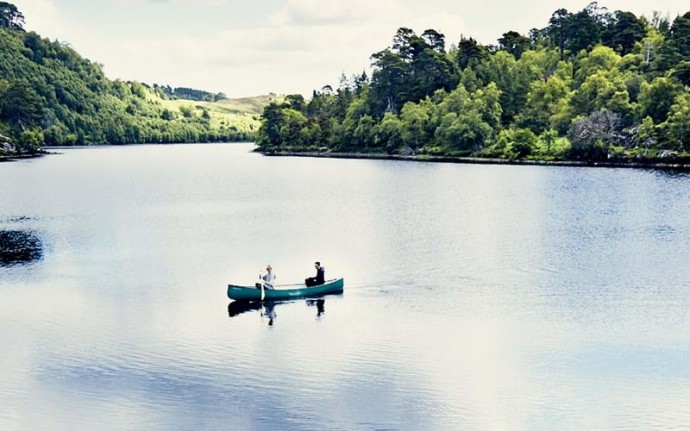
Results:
x,y
292,291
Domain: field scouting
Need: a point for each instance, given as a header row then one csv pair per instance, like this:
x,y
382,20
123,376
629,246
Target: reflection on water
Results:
x,y
478,298
236,308
19,247
320,306
268,308
270,312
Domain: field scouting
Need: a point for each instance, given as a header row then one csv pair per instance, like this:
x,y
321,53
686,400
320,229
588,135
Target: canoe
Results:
x,y
292,291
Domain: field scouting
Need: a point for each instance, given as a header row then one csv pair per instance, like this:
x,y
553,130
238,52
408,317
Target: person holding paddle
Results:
x,y
267,280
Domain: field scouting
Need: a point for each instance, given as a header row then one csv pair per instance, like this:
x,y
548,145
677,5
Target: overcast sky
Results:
x,y
247,48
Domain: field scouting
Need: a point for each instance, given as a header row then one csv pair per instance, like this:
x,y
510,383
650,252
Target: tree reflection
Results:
x,y
19,247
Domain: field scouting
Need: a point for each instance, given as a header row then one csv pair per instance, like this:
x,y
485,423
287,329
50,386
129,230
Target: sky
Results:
x,y
248,48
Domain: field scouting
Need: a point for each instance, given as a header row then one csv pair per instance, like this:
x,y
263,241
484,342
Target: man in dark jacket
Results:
x,y
320,276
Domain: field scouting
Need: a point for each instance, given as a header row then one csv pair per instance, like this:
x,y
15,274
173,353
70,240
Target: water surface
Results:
x,y
477,297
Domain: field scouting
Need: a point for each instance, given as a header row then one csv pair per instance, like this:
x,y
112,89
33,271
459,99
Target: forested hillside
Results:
x,y
590,85
50,95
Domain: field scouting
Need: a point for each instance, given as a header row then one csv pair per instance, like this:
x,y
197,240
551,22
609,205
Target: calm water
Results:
x,y
476,297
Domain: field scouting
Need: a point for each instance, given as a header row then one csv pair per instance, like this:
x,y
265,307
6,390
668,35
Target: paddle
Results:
x,y
263,293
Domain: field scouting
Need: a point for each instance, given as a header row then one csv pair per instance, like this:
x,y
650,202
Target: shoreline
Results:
x,y
46,150
13,157
486,161
676,166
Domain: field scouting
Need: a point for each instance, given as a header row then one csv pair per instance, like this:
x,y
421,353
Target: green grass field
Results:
x,y
242,114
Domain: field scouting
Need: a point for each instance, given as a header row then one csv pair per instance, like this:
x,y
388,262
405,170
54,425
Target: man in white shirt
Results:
x,y
269,278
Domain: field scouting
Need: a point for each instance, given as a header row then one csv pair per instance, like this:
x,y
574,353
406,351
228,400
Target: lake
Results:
x,y
477,297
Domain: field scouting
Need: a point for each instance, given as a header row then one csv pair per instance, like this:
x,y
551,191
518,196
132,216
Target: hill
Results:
x,y
50,95
242,114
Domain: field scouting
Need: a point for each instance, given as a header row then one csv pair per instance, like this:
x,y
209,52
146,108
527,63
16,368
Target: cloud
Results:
x,y
293,46
42,16
303,46
322,12
190,2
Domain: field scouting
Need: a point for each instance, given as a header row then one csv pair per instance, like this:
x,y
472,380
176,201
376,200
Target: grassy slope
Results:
x,y
81,100
244,113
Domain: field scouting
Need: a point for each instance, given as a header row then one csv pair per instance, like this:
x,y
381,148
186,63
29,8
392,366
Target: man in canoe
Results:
x,y
268,279
320,276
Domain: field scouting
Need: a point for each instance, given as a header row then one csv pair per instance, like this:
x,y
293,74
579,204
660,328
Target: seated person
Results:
x,y
320,276
268,279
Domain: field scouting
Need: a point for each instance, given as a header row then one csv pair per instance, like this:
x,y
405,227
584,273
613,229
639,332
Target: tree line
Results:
x,y
50,95
168,92
590,85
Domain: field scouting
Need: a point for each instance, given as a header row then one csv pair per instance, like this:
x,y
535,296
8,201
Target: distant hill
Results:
x,y
50,95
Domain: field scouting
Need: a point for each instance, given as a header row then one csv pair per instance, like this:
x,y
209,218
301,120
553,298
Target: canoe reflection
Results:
x,y
238,307
268,308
